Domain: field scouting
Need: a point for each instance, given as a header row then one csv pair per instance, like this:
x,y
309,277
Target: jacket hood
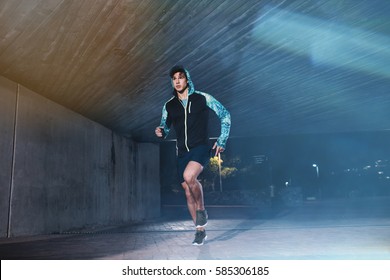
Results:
x,y
191,88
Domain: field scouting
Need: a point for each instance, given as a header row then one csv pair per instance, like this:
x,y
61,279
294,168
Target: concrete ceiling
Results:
x,y
280,67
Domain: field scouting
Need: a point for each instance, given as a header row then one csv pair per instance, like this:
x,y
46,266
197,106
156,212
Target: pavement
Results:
x,y
344,229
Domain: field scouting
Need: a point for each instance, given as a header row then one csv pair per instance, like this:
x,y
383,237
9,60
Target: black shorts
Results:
x,y
200,154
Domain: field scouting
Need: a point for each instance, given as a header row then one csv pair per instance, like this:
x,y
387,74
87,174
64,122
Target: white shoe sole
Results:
x,y
200,226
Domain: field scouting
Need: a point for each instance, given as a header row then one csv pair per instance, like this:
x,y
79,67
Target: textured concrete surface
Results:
x,y
61,171
321,230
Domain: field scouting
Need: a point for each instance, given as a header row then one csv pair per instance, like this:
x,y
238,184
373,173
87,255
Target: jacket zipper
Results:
x,y
185,127
185,124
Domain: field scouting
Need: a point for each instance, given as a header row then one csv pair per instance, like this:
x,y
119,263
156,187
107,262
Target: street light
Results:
x,y
317,169
318,181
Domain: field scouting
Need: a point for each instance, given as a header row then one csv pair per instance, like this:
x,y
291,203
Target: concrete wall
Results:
x,y
146,198
67,172
7,117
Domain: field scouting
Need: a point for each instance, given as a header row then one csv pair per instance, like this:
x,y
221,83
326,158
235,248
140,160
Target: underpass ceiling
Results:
x,y
280,67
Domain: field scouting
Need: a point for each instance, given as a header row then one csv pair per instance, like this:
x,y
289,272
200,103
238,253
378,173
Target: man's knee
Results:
x,y
191,173
189,178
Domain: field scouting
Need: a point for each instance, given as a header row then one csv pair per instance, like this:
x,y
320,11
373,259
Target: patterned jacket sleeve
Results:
x,y
223,115
165,122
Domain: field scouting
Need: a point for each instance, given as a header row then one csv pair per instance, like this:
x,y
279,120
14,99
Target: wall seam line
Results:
x,y
13,163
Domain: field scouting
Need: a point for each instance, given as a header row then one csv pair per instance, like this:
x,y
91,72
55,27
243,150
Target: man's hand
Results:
x,y
159,131
218,149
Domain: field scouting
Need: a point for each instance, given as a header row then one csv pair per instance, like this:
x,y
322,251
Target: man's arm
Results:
x,y
163,129
224,117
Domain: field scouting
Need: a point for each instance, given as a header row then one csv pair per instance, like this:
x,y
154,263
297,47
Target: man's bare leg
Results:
x,y
193,189
191,204
190,177
195,201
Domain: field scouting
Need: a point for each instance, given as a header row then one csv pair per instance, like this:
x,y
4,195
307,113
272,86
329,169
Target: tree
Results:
x,y
216,170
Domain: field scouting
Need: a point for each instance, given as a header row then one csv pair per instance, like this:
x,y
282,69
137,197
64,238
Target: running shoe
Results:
x,y
200,237
201,218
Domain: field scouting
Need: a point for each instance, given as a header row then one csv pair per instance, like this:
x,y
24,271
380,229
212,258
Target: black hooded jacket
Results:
x,y
191,121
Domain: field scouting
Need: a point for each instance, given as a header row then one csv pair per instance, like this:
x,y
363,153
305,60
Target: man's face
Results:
x,y
179,81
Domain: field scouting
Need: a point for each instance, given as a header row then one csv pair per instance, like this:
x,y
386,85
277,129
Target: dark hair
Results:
x,y
175,69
